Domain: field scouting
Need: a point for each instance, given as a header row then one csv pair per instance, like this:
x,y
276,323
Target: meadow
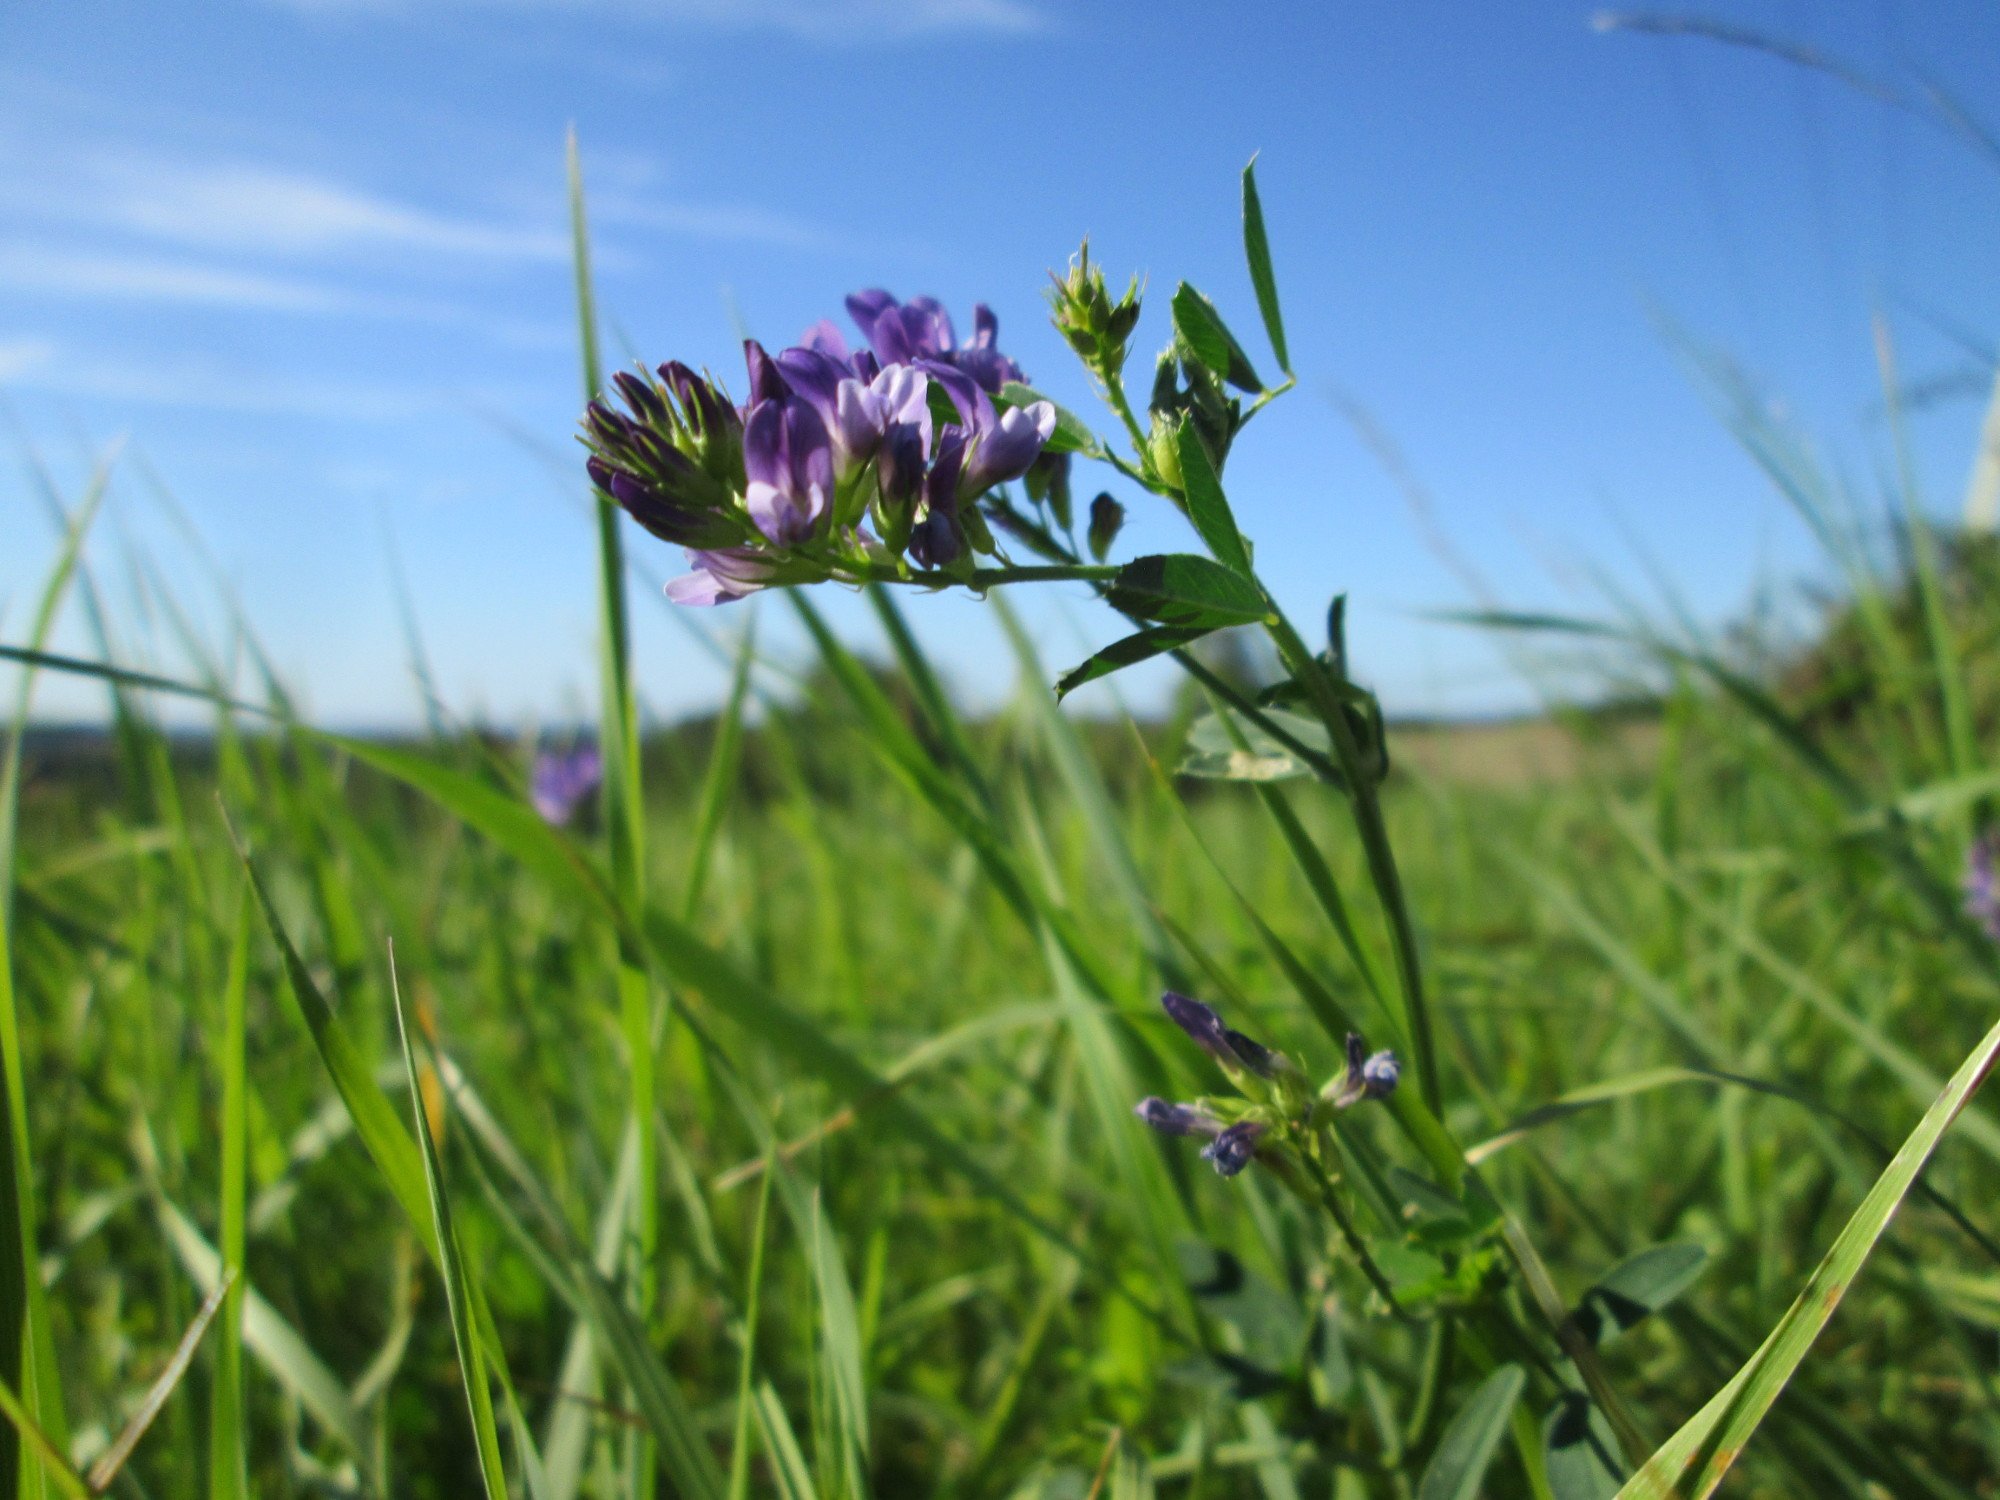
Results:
x,y
770,1130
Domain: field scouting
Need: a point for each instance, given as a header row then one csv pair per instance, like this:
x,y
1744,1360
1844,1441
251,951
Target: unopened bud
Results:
x,y
1094,324
1163,448
1106,517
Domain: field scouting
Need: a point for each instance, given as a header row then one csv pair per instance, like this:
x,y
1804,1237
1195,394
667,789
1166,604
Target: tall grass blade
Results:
x,y
228,1477
1694,1460
623,800
27,1350
115,1457
457,1290
39,1449
278,1346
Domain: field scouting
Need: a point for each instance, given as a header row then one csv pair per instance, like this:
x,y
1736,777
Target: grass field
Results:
x,y
1640,926
773,1132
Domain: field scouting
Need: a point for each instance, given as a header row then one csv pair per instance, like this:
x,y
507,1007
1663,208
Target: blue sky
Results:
x,y
307,258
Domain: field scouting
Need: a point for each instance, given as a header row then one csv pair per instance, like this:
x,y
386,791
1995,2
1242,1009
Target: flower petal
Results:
x,y
1199,1022
1235,1148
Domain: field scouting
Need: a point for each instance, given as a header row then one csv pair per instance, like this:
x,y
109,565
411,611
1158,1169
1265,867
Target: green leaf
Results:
x,y
1207,506
1694,1460
1580,1450
1072,434
1219,750
1208,338
1638,1287
1154,640
1257,251
457,1291
1469,1443
1183,588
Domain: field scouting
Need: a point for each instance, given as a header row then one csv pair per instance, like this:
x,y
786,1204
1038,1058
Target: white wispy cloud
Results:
x,y
19,355
254,208
819,20
29,266
202,383
70,271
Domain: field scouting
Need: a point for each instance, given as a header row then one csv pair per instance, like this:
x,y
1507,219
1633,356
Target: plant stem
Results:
x,y
1114,393
986,578
1366,803
1330,1201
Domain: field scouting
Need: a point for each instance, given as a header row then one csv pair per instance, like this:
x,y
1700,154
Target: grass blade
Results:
x,y
1694,1460
227,1472
457,1291
39,1449
116,1456
278,1346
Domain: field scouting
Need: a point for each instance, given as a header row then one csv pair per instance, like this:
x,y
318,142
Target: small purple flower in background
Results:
x,y
1230,1048
563,780
1233,1150
1981,882
1230,1148
1367,1077
1176,1119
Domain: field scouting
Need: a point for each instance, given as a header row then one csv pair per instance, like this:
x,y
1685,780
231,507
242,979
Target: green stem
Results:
x,y
1267,398
1366,803
1330,1201
1114,393
984,578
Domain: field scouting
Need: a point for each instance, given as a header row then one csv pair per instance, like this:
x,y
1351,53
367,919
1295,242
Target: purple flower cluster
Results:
x,y
831,442
1233,1146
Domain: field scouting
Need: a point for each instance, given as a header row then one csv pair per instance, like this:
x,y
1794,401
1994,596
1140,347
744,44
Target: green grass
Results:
x,y
772,1132
971,1282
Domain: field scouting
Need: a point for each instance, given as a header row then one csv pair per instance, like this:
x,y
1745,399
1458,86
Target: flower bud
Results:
x,y
1106,516
1047,482
1163,448
1095,325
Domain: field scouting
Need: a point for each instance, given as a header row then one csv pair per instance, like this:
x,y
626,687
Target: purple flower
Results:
x,y
721,575
1176,1119
938,539
766,383
673,462
788,461
1234,1149
1230,1148
655,505
902,333
1002,444
1230,1048
563,780
1367,1077
1199,1022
